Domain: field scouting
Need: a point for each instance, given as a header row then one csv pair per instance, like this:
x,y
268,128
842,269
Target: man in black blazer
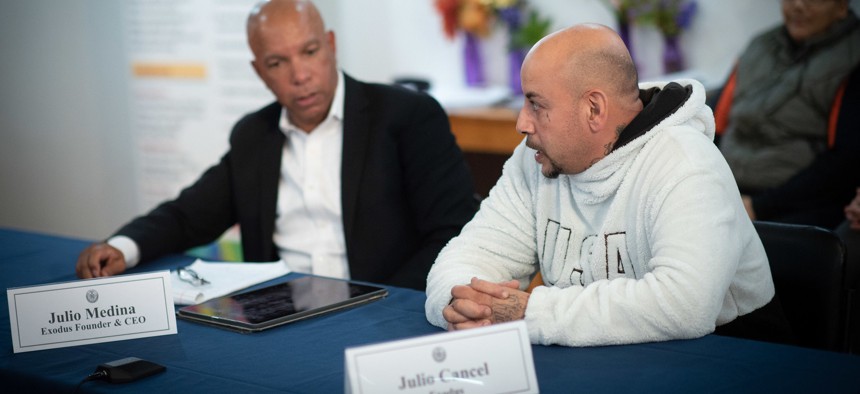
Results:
x,y
404,186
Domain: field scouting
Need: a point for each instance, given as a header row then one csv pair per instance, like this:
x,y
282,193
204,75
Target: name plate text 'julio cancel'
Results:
x,y
492,359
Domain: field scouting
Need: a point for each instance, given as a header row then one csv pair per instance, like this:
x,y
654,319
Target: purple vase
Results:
x,y
515,59
673,60
473,62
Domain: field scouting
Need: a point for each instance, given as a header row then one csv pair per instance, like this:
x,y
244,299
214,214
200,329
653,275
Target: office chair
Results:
x,y
851,238
808,268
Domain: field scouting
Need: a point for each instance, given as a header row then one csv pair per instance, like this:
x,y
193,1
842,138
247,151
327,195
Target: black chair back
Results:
x,y
808,268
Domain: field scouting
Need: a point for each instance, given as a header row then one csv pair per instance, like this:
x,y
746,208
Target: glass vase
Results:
x,y
474,64
515,61
673,59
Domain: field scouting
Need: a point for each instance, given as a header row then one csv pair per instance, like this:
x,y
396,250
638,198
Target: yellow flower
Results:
x,y
500,3
475,17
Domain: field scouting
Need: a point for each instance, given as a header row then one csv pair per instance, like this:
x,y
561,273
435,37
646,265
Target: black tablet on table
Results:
x,y
282,303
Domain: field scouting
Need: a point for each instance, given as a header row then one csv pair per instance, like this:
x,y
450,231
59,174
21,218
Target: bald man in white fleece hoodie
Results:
x,y
620,199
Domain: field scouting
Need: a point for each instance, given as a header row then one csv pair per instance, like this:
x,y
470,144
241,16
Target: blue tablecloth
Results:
x,y
307,356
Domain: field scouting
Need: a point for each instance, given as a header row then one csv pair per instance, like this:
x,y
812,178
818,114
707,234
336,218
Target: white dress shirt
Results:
x,y
308,225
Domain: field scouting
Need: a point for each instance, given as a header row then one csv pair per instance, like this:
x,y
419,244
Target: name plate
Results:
x,y
492,359
91,311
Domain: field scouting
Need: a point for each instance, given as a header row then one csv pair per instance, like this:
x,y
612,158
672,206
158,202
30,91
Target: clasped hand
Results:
x,y
481,303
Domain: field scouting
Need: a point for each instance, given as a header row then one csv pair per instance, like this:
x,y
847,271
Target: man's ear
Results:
x,y
259,68
332,41
597,109
256,67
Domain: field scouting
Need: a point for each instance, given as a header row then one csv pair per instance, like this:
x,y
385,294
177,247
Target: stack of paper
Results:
x,y
223,278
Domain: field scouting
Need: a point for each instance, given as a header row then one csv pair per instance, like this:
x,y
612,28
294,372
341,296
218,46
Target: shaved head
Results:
x,y
588,56
273,12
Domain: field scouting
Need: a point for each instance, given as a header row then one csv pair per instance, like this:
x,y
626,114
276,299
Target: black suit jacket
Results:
x,y
405,188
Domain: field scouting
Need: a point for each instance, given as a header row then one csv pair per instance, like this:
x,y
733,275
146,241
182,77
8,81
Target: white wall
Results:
x,y
66,161
65,155
382,39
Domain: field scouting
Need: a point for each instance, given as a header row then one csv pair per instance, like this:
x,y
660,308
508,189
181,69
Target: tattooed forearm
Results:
x,y
508,309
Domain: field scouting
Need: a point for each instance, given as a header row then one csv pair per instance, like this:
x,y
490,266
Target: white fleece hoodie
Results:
x,y
651,243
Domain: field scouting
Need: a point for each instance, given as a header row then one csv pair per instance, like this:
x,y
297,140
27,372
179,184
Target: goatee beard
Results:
x,y
553,172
